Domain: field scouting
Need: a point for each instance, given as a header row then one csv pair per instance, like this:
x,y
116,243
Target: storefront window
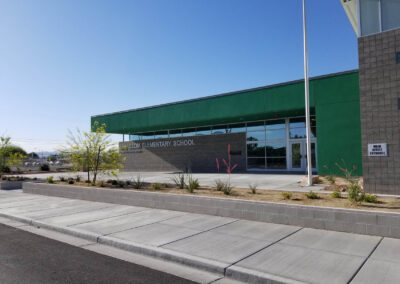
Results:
x,y
297,127
255,136
203,131
275,124
161,134
256,163
276,163
235,128
276,149
276,134
219,129
189,132
255,126
256,150
134,137
148,136
175,133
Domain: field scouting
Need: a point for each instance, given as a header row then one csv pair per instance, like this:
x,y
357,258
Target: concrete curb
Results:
x,y
253,276
157,252
10,185
224,269
385,224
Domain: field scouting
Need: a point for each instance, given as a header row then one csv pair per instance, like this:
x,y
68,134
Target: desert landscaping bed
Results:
x,y
388,204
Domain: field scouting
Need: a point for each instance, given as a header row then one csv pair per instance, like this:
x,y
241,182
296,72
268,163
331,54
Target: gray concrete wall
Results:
x,y
194,153
335,219
10,185
380,114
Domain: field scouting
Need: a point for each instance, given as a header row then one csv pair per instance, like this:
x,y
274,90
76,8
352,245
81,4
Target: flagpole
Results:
x,y
307,98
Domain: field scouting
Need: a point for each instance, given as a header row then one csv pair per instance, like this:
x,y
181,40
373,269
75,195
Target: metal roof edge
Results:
x,y
232,92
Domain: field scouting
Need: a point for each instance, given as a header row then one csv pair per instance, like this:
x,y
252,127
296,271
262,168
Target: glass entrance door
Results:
x,y
298,155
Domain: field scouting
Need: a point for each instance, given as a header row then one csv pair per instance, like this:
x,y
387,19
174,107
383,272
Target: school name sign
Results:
x,y
133,146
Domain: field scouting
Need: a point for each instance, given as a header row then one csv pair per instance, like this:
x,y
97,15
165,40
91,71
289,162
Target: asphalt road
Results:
x,y
29,258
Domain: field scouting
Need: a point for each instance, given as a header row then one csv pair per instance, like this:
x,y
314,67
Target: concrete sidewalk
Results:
x,y
270,181
238,249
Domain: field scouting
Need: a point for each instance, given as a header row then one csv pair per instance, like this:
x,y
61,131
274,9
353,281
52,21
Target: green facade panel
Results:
x,y
334,99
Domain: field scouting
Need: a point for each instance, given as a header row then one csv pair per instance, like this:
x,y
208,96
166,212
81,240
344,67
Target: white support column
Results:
x,y
307,98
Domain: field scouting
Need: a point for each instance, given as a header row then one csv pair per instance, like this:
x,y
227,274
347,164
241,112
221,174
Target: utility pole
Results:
x,y
307,98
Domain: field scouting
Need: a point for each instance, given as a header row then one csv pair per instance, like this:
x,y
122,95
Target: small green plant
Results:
x,y
121,183
227,188
138,182
311,195
253,188
156,186
62,178
71,181
219,185
354,192
78,178
287,195
193,183
331,179
336,194
179,180
370,198
102,184
50,179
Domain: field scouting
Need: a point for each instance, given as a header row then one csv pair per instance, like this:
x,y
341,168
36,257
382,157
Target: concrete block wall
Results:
x,y
198,154
336,219
380,114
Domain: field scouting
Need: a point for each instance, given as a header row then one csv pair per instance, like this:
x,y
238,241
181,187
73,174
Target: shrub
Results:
x,y
50,179
193,183
219,185
370,198
78,178
287,195
71,181
62,178
156,186
179,180
227,188
114,182
253,188
138,182
354,192
336,194
121,183
311,195
331,179
44,167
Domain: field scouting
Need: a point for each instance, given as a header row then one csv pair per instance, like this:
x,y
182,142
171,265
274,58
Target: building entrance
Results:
x,y
298,155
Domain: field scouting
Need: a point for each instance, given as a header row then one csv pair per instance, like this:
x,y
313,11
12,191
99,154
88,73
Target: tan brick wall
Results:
x,y
380,116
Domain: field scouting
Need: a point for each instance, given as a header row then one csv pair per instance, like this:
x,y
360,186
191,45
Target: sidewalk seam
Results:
x,y
199,233
271,244
365,261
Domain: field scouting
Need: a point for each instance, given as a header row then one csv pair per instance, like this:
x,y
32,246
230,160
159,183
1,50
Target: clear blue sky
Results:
x,y
63,61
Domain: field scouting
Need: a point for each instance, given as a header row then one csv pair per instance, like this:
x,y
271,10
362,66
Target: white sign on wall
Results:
x,y
377,150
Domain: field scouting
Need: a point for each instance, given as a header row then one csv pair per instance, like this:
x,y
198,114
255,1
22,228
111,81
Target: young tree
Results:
x,y
10,154
93,152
